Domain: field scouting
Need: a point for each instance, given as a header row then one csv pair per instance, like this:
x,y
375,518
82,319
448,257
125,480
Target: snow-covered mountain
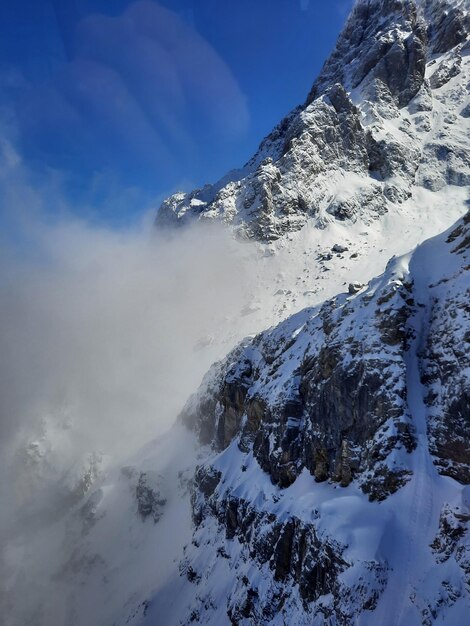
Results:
x,y
337,486
320,474
387,116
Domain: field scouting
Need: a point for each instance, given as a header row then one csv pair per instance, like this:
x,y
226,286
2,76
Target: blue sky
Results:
x,y
120,102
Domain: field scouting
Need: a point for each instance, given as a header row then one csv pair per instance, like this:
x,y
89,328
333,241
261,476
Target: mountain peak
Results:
x,y
370,114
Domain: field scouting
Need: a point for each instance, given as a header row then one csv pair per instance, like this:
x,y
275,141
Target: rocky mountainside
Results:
x,y
327,493
320,475
388,115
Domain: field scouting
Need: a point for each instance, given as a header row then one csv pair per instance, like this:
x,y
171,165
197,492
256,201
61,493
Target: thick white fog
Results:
x,y
104,335
103,327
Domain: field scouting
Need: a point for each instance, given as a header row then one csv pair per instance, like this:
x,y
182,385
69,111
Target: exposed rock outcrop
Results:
x,y
300,557
150,502
314,394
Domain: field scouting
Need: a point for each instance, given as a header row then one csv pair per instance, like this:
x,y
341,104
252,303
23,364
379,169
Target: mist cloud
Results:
x,y
104,325
104,335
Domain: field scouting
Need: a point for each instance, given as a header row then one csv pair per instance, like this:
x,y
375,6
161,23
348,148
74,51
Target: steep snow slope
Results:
x,y
325,500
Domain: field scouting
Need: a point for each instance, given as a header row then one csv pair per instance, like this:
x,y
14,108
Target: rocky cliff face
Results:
x,y
366,136
367,394
446,362
325,391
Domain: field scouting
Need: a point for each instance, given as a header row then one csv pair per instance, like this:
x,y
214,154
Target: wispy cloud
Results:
x,y
138,93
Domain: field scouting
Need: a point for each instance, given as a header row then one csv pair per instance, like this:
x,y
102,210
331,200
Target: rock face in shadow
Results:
x,y
446,363
297,555
339,155
325,391
448,24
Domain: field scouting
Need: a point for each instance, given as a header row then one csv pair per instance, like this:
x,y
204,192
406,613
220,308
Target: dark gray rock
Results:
x,y
354,288
446,70
465,112
150,502
330,416
448,24
339,248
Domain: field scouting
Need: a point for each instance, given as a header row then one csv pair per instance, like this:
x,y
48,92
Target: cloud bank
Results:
x,y
104,335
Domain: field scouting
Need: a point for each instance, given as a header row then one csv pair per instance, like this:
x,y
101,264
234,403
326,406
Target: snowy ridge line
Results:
x,y
367,120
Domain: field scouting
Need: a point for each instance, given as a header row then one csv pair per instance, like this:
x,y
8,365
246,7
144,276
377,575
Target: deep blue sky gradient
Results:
x,y
122,102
